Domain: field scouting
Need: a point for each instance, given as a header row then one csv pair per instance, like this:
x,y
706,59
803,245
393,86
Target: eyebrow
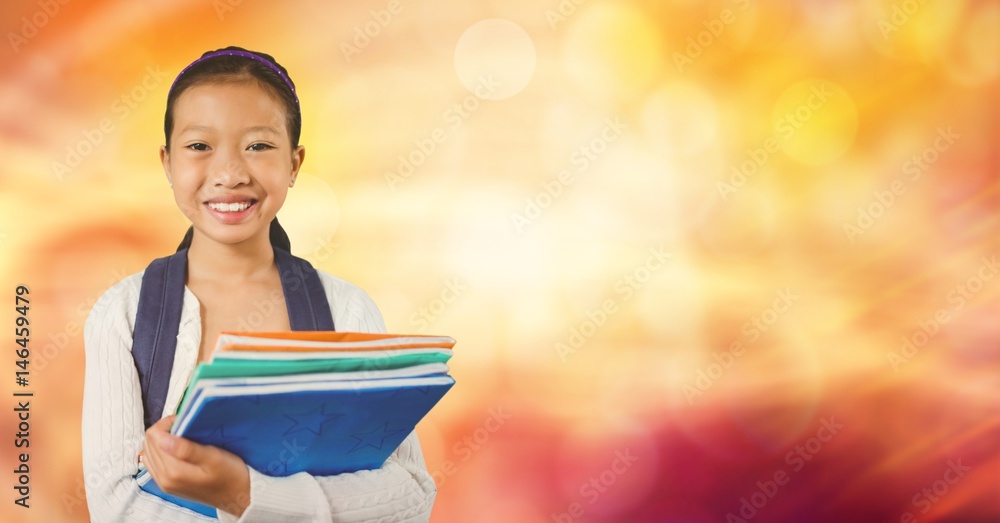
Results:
x,y
262,129
254,129
194,128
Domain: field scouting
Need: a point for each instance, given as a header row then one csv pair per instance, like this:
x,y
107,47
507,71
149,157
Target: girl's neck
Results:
x,y
250,260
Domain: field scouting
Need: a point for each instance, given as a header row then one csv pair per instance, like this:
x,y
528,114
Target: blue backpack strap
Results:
x,y
161,300
154,337
305,299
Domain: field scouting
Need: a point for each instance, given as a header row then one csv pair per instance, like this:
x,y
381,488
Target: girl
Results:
x,y
232,152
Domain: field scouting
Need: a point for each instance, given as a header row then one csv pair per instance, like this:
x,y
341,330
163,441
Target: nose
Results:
x,y
230,170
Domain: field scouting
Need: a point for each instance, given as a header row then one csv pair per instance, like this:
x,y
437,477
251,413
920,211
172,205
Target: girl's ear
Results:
x,y
298,156
165,161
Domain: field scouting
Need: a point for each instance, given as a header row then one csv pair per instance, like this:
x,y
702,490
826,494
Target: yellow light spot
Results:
x,y
495,59
612,51
815,121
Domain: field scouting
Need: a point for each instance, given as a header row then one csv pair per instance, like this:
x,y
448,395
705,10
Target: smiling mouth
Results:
x,y
232,213
231,207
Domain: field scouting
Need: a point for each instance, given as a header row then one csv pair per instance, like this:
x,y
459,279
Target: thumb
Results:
x,y
165,423
183,448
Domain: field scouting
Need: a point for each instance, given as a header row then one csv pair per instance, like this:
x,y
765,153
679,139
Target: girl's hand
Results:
x,y
202,473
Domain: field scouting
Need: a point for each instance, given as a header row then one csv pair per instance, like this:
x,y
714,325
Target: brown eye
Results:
x,y
198,147
259,147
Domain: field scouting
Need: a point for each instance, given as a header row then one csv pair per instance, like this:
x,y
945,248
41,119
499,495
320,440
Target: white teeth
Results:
x,y
229,207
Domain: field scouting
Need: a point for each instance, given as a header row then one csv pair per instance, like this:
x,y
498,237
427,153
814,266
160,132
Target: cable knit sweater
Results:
x,y
113,431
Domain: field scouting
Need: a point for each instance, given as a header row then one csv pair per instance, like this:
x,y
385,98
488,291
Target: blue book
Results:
x,y
320,423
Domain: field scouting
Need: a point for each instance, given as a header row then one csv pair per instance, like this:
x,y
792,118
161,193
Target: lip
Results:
x,y
232,218
232,198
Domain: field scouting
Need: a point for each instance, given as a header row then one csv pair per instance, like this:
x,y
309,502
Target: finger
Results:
x,y
168,471
152,458
164,423
160,435
154,444
166,442
184,449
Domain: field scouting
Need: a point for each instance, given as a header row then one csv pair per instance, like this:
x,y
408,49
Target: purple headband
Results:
x,y
244,54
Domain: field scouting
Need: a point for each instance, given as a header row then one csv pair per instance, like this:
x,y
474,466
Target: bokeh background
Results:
x,y
705,260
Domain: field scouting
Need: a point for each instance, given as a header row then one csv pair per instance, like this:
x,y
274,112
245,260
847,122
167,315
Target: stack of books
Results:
x,y
321,402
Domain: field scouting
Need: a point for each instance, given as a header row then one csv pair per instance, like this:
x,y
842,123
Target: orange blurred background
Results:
x,y
705,261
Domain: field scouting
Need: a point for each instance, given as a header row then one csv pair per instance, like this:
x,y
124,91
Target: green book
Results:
x,y
230,365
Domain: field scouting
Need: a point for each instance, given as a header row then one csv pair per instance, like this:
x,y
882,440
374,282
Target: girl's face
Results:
x,y
230,161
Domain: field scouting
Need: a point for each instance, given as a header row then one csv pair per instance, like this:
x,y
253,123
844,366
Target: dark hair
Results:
x,y
236,69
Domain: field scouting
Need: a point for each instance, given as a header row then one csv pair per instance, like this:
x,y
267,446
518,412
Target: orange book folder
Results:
x,y
306,341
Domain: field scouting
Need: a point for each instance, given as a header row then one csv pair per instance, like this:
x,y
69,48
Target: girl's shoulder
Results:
x,y
115,309
121,296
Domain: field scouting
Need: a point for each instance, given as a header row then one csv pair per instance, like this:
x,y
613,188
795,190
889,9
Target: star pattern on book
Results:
x,y
311,421
378,434
218,435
